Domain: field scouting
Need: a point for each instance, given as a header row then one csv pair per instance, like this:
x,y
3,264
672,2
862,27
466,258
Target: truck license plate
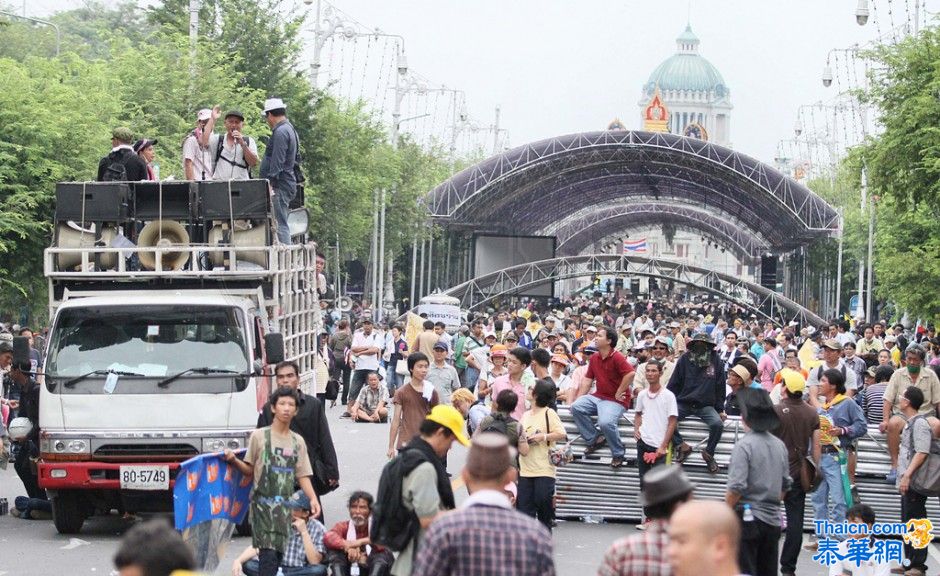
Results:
x,y
145,477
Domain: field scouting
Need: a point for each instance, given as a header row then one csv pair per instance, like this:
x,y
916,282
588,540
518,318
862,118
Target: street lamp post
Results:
x,y
58,35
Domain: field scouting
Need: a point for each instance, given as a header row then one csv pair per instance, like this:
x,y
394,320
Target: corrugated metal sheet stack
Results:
x,y
590,488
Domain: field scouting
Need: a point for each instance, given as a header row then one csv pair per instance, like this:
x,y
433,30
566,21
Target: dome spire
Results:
x,y
687,42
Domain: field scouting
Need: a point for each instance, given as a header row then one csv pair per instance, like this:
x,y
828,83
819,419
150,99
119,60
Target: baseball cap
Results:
x,y
440,346
298,501
235,113
591,328
793,380
203,114
144,143
123,134
891,338
489,334
560,359
589,349
273,104
499,350
663,340
450,418
511,336
5,346
831,344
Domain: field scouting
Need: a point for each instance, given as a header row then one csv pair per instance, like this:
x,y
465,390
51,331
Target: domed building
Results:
x,y
693,91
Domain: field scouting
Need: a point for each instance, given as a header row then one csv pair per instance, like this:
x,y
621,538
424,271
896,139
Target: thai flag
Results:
x,y
638,245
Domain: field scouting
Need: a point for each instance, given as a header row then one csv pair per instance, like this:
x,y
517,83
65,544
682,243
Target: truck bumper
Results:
x,y
90,475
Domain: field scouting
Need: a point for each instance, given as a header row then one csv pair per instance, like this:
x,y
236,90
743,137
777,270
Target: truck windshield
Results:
x,y
149,342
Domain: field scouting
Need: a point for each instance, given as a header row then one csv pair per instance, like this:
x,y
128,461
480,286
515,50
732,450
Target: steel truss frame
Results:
x,y
553,178
580,230
757,299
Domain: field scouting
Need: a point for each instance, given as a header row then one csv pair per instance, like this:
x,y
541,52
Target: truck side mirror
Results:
x,y
21,357
274,347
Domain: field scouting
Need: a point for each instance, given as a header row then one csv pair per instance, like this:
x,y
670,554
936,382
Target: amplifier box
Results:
x,y
235,199
91,201
167,200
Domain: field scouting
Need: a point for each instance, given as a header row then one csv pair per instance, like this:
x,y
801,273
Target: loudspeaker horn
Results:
x,y
71,235
254,237
163,234
344,304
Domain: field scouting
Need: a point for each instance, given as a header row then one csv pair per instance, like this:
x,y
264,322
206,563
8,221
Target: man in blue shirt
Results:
x,y
280,162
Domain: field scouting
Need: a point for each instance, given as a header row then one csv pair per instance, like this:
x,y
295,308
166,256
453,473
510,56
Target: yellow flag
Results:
x,y
807,355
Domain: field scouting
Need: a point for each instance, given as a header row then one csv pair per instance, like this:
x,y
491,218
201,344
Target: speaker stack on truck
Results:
x,y
164,215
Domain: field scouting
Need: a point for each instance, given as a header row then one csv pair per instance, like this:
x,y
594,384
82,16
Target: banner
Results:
x,y
446,313
210,498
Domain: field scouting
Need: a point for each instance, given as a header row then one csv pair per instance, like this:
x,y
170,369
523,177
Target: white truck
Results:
x,y
162,350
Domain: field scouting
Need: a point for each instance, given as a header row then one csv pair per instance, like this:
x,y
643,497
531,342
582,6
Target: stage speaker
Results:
x,y
768,272
238,199
166,200
255,237
70,235
163,234
91,201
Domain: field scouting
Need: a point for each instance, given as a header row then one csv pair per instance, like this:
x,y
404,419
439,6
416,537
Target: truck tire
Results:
x,y
67,513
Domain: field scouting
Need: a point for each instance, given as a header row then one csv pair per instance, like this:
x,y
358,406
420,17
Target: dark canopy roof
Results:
x,y
527,189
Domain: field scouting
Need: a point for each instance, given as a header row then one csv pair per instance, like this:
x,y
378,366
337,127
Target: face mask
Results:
x,y
913,369
700,358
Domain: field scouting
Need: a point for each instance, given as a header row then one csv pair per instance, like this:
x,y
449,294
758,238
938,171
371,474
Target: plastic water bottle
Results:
x,y
591,519
748,514
354,569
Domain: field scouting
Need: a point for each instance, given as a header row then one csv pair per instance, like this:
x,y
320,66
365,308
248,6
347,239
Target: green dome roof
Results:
x,y
687,70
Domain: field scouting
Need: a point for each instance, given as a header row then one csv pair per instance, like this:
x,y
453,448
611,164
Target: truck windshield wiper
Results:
x,y
204,370
73,381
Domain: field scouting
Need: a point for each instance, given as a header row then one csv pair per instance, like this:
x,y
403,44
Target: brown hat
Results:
x,y
665,484
489,456
832,344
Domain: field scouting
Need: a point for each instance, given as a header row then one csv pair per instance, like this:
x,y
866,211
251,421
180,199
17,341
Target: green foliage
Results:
x,y
124,66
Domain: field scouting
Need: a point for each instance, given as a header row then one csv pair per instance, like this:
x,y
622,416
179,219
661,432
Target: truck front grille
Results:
x,y
124,452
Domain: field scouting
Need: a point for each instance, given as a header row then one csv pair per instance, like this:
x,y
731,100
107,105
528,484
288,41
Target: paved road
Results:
x,y
33,548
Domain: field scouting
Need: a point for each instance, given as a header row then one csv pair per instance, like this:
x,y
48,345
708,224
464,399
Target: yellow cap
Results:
x,y
793,380
450,418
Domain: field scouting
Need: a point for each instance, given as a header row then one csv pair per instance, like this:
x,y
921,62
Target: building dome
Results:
x,y
687,70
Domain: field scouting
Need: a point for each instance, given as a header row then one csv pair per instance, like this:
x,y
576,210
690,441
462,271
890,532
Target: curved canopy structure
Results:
x,y
760,300
525,189
580,231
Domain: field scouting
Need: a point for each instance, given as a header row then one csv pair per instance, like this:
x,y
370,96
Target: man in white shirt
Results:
x,y
367,348
233,153
197,160
858,514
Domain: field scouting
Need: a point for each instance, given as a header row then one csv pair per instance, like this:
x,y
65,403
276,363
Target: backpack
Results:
x,y
218,154
926,479
116,171
394,525
499,424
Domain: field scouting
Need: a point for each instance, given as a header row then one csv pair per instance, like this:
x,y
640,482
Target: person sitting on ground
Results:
x,y
370,406
868,566
305,548
348,541
665,489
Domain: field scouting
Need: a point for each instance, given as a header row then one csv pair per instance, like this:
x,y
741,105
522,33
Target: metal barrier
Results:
x,y
591,488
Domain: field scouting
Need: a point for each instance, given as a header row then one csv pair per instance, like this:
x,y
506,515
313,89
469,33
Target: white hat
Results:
x,y
203,114
273,104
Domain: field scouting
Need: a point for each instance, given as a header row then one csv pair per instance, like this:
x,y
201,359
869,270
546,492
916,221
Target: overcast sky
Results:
x,y
557,67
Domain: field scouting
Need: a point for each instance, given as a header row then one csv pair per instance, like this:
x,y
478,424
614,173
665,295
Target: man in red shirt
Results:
x,y
348,543
613,375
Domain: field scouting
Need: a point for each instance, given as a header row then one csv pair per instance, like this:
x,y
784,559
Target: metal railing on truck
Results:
x,y
590,488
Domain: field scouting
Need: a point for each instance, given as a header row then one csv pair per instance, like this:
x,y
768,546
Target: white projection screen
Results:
x,y
492,253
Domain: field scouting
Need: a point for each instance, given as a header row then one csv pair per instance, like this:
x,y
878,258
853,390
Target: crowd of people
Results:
x,y
805,395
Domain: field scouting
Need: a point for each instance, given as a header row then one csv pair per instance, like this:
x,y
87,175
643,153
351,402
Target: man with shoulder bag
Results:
x,y
919,458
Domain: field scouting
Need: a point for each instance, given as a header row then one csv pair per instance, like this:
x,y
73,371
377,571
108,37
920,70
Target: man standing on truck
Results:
x,y
122,164
197,162
310,422
233,153
280,163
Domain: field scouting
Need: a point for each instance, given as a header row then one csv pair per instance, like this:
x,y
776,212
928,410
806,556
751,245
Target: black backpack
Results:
x,y
393,525
218,154
499,424
116,171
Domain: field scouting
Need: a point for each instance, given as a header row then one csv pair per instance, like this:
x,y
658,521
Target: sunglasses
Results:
x,y
660,348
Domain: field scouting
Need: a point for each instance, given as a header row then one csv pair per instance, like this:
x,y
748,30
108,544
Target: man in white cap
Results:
x,y
197,160
281,162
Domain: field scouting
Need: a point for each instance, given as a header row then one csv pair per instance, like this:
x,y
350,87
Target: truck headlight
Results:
x,y
220,444
64,446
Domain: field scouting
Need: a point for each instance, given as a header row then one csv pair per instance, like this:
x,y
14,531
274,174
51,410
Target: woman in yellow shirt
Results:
x,y
542,428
